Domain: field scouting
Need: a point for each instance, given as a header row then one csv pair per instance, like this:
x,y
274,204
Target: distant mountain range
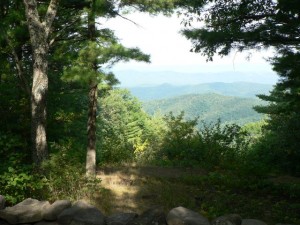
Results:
x,y
238,89
209,108
132,78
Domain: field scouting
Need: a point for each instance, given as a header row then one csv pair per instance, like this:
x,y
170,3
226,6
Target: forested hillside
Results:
x,y
63,121
208,107
238,89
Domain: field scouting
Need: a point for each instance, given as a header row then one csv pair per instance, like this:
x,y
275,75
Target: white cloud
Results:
x,y
159,36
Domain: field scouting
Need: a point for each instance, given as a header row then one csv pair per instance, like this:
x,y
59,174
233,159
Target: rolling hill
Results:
x,y
209,107
238,89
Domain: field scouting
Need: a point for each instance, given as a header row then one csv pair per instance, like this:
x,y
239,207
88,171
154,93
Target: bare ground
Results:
x,y
135,189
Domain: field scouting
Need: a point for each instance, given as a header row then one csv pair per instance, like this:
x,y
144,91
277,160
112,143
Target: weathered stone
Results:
x,y
252,222
28,211
184,216
231,219
284,224
52,211
2,202
3,222
43,222
81,213
121,218
154,216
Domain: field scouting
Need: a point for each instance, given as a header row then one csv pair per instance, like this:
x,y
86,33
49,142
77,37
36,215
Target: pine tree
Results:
x,y
243,25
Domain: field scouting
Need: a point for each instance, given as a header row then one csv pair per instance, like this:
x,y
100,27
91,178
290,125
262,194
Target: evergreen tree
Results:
x,y
243,25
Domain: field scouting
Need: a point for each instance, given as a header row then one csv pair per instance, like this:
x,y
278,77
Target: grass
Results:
x,y
135,189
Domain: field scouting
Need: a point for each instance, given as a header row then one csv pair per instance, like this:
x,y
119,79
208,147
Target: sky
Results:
x,y
160,37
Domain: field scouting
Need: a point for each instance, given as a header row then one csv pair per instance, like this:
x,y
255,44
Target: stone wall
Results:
x,y
63,212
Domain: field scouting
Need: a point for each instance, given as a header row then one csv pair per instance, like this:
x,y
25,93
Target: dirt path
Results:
x,y
135,189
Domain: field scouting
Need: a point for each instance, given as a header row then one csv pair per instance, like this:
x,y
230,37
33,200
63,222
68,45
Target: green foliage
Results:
x,y
65,178
283,128
126,132
121,126
19,183
208,107
212,145
223,192
18,179
94,55
243,25
223,145
178,142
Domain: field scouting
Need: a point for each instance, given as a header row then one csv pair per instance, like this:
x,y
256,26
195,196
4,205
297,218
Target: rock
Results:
x,y
121,218
231,219
52,211
43,222
252,222
2,202
184,216
154,216
3,222
28,211
284,224
81,213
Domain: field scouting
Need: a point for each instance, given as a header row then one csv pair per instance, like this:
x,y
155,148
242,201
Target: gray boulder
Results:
x,y
252,222
43,222
28,211
3,222
52,211
154,216
81,213
121,218
284,224
2,202
231,219
184,216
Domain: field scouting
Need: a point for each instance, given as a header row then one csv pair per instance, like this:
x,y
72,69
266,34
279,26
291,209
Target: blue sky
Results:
x,y
159,36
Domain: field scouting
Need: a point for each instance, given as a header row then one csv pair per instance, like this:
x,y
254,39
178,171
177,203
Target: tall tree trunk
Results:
x,y
92,115
39,32
93,95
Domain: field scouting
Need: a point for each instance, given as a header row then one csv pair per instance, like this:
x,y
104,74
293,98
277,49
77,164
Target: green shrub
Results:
x,y
213,145
222,145
18,184
17,177
65,178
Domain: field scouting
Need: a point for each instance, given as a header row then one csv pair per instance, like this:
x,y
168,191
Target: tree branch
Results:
x,y
50,15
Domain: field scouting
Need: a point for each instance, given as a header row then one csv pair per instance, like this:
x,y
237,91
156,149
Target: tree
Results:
x,y
39,31
243,25
100,50
122,127
15,65
283,126
113,53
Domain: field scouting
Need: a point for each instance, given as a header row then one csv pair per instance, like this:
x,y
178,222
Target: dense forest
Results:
x,y
62,119
208,107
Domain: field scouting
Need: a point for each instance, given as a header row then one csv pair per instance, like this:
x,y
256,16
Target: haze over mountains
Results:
x,y
132,78
231,99
238,89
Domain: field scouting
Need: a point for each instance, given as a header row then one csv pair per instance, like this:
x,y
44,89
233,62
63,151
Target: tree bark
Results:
x,y
39,32
93,97
91,128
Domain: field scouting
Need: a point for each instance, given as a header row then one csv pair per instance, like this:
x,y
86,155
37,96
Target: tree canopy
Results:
x,y
234,25
241,25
